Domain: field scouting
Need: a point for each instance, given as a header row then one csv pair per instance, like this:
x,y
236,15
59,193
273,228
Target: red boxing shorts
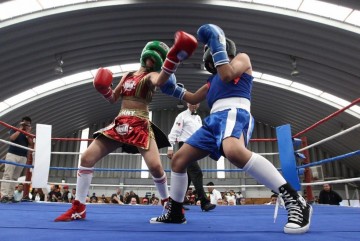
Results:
x,y
132,127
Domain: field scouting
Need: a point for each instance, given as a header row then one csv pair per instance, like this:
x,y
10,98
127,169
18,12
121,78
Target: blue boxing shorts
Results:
x,y
220,125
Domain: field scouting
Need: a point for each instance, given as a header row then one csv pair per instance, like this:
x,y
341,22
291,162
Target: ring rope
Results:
x,y
331,159
348,180
327,118
17,145
329,138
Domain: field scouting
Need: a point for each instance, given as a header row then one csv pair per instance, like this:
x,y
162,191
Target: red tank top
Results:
x,y
136,87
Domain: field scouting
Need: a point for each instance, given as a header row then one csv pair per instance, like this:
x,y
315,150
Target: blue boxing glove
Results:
x,y
171,88
214,37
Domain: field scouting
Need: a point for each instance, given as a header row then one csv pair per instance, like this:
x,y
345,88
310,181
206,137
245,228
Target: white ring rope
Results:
x,y
348,180
17,145
329,138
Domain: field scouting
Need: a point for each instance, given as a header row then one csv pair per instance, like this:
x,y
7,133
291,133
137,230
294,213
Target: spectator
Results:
x,y
66,196
230,196
242,201
104,199
133,201
231,202
117,197
238,196
55,194
132,195
38,195
215,195
73,194
17,155
273,199
18,193
328,196
152,198
155,201
145,201
94,198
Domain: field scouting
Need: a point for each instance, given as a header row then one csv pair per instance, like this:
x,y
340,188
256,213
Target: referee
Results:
x,y
186,123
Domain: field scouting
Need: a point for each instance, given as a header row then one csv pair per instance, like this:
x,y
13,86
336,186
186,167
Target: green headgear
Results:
x,y
157,51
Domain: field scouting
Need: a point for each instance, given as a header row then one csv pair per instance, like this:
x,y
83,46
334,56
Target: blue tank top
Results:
x,y
239,87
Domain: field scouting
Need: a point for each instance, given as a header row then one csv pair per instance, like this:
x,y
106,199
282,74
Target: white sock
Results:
x,y
179,182
162,187
264,172
84,177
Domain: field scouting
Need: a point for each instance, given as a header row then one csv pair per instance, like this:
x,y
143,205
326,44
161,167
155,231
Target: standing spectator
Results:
x,y
215,195
18,193
17,155
117,197
328,196
187,123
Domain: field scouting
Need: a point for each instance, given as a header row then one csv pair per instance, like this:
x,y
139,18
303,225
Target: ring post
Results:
x,y
287,156
42,156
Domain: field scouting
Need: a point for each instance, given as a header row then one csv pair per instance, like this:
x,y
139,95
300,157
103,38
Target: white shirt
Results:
x,y
184,126
214,196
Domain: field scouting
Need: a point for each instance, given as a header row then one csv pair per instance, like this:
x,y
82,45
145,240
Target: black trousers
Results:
x,y
195,176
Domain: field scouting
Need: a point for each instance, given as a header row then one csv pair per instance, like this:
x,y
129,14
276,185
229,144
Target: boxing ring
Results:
x,y
34,220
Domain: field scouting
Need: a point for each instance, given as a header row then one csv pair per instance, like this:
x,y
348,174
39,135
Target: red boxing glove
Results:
x,y
184,46
102,83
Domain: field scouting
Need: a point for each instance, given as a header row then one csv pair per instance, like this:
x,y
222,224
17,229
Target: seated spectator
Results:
x,y
93,198
231,202
189,197
73,194
132,195
153,197
273,199
230,196
19,192
133,201
117,197
104,199
219,202
55,194
198,202
37,195
145,201
66,196
328,196
242,201
215,195
155,201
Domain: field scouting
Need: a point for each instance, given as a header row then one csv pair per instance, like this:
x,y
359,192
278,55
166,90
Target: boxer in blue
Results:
x,y
227,130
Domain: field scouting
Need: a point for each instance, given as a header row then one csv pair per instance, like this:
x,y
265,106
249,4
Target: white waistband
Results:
x,y
228,103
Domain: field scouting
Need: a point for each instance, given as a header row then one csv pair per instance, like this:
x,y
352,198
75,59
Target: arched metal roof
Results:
x,y
114,32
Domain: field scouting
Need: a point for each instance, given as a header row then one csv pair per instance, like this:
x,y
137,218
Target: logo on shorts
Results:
x,y
129,85
123,129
